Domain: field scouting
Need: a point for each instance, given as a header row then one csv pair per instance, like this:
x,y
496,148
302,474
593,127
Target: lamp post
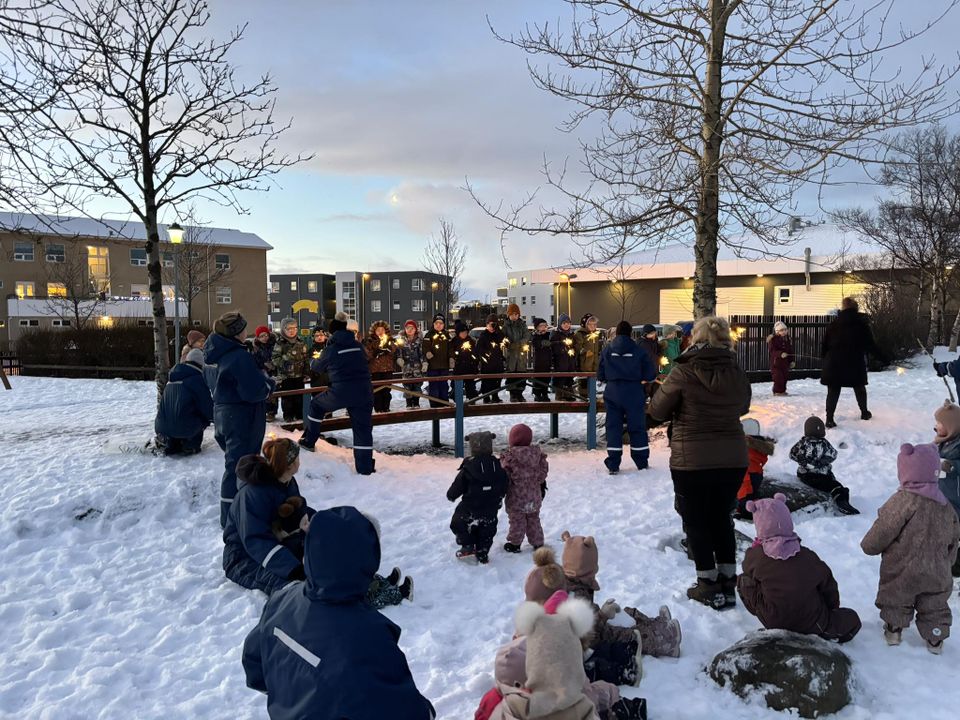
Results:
x,y
568,278
363,302
175,233
433,305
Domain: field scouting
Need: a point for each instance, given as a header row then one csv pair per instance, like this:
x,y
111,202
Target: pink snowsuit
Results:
x,y
527,467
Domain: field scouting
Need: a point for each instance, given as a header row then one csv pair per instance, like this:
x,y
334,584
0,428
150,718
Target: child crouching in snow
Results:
x,y
815,455
482,484
759,450
787,586
916,533
526,467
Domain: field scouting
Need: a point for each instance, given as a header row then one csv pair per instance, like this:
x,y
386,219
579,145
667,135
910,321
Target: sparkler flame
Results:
x,y
466,345
664,361
272,436
525,347
384,339
568,341
400,341
316,354
901,370
570,352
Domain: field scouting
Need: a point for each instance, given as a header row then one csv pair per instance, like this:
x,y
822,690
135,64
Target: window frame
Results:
x,y
312,286
56,286
26,284
135,262
395,284
375,306
29,322
418,305
293,286
60,257
60,322
22,249
784,299
223,298
375,285
220,264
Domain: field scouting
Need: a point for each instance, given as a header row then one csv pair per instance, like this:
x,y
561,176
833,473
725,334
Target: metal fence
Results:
x,y
806,332
10,363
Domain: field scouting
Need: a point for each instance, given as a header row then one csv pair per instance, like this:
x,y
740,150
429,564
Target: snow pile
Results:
x,y
114,603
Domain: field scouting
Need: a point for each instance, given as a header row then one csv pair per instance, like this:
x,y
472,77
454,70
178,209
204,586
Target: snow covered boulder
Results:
x,y
790,671
799,496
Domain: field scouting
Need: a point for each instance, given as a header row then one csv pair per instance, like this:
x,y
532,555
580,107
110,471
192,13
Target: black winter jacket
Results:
x,y
564,352
845,346
482,483
490,351
542,352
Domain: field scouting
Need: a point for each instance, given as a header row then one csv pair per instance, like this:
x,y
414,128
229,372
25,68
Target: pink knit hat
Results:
x,y
774,526
918,467
520,435
510,667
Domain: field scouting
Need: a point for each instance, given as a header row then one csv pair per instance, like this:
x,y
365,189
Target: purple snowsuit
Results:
x,y
526,467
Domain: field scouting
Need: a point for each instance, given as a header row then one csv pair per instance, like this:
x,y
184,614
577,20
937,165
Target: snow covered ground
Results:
x,y
114,603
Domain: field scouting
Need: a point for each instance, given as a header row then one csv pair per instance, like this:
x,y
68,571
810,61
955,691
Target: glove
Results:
x,y
543,489
400,362
784,355
452,363
946,466
792,365
297,573
424,365
941,369
429,356
609,609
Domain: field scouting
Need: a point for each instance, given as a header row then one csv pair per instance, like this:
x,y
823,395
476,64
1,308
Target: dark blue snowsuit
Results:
x,y
624,366
252,556
185,410
952,369
239,408
319,651
345,363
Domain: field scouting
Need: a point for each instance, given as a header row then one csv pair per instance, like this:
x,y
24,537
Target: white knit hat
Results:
x,y
779,325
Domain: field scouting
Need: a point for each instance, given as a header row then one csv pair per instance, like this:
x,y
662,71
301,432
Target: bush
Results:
x,y
894,321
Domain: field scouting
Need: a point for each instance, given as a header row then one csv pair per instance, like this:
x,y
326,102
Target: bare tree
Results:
x,y
199,264
75,296
622,290
445,255
917,223
131,100
714,113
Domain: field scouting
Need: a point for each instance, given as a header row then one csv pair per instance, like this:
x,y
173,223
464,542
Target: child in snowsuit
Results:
x,y
948,445
669,349
780,348
787,586
589,342
290,368
436,351
564,358
526,467
759,450
490,346
660,636
381,351
815,455
185,410
542,359
482,484
465,358
411,361
916,533
517,351
262,350
319,651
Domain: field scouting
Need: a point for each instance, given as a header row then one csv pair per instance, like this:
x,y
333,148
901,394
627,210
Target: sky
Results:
x,y
400,104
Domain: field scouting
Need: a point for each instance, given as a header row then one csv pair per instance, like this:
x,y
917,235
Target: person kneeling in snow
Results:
x,y
787,586
319,651
815,455
185,410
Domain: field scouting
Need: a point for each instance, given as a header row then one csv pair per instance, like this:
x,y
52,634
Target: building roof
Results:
x,y
65,226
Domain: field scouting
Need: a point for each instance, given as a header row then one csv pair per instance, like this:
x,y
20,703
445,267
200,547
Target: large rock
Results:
x,y
799,496
790,671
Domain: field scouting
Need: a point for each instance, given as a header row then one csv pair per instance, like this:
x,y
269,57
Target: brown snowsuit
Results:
x,y
797,594
917,538
527,467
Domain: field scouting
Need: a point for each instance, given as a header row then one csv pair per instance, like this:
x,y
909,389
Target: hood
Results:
x,y
761,444
341,555
710,365
918,469
581,559
182,371
218,346
774,526
343,338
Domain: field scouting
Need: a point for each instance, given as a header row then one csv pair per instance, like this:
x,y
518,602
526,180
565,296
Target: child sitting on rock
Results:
x,y
815,455
659,636
788,586
482,484
759,450
526,467
916,534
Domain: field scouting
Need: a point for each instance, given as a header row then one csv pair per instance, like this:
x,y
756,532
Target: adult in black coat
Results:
x,y
845,346
490,346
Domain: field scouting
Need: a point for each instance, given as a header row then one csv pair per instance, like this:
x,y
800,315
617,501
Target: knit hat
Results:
x,y
647,329
195,356
261,329
441,317
492,318
287,322
510,667
513,309
563,318
481,442
339,322
411,322
520,435
918,468
587,317
546,577
686,328
948,415
751,427
779,325
774,527
814,427
624,328
195,336
581,560
537,322
230,324
460,326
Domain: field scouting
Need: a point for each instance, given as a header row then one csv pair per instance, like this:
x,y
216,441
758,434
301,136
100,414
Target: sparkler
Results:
x,y
570,352
568,341
316,354
525,347
465,346
901,370
384,339
400,341
272,436
664,361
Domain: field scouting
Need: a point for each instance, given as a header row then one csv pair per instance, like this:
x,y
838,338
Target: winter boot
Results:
x,y
729,586
830,422
271,417
613,467
841,498
511,548
483,557
406,589
616,662
330,440
891,634
866,415
661,635
306,445
629,709
935,648
466,552
955,570
394,577
708,592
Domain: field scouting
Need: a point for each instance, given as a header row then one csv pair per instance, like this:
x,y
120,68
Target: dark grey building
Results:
x,y
394,297
285,291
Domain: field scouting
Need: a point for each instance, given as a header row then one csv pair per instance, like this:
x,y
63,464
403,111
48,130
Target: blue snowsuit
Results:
x,y
252,556
950,482
952,369
319,651
345,363
239,408
185,410
624,366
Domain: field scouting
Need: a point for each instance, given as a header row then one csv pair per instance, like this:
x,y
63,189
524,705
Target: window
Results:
x,y
523,281
55,289
55,253
25,289
139,291
375,306
396,283
224,296
274,287
222,261
396,304
274,307
374,286
512,300
98,268
311,286
23,252
419,305
513,282
784,294
348,294
29,323
166,259
293,286
61,323
523,300
396,326
196,323
145,323
552,300
533,299
416,284
138,257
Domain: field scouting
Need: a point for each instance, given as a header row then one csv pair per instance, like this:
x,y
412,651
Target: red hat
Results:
x,y
411,322
262,329
520,435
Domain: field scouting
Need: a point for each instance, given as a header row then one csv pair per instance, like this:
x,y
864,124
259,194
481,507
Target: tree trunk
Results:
x,y
955,333
936,290
708,205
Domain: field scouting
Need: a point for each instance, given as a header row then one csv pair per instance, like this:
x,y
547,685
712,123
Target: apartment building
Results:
x,y
47,261
306,297
393,297
535,299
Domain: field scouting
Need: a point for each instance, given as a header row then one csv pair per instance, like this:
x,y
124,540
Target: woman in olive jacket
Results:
x,y
704,397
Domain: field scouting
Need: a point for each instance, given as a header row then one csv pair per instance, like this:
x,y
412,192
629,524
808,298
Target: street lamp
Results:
x,y
433,305
175,233
567,278
363,301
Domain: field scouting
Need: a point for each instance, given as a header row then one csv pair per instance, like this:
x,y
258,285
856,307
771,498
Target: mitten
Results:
x,y
946,466
400,362
297,573
423,366
783,355
941,369
609,609
429,356
792,365
453,363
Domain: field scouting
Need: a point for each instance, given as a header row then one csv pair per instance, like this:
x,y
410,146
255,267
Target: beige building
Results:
x,y
52,269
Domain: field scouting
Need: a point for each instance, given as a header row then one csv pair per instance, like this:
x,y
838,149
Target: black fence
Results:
x,y
10,363
806,332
